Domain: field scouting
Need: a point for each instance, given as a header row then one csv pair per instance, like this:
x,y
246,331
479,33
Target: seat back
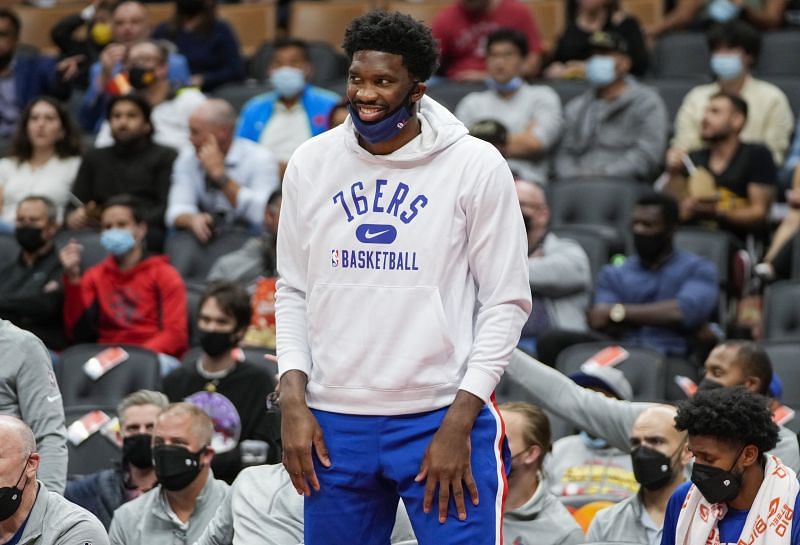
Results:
x,y
644,368
37,22
777,56
9,249
450,93
421,11
139,371
595,246
253,22
329,64
647,12
678,368
782,311
192,259
673,91
713,245
324,21
237,94
791,87
97,452
93,252
550,17
785,359
681,55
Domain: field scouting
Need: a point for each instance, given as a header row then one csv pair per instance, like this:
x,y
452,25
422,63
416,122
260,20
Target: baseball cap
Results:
x,y
490,130
605,378
602,40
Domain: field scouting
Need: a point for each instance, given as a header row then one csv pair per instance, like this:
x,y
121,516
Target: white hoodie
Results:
x,y
403,277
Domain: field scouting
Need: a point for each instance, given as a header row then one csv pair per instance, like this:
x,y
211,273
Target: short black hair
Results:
x,y
735,33
282,43
395,33
490,130
754,360
737,102
735,415
273,197
667,204
232,299
135,99
508,35
12,18
129,201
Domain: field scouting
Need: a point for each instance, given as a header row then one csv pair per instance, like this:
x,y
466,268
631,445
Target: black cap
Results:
x,y
608,41
490,130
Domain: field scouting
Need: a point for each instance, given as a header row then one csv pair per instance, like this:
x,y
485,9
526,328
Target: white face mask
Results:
x,y
601,70
287,81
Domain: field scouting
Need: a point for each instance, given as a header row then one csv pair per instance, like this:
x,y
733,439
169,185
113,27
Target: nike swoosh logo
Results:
x,y
369,235
50,399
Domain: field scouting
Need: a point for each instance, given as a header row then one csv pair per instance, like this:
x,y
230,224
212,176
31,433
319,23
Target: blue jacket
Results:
x,y
100,493
255,115
36,75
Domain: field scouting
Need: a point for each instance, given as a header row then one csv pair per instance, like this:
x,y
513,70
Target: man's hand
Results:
x,y
70,66
447,459
70,257
201,226
675,160
299,432
83,217
211,158
600,316
112,55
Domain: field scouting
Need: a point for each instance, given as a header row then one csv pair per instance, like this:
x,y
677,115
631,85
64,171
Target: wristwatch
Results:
x,y
617,313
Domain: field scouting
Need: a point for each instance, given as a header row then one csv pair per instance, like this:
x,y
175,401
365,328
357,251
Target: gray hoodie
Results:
x,y
542,520
29,391
625,137
599,415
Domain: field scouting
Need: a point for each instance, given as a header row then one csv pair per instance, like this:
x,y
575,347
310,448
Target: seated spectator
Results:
x,y
223,180
679,16
619,127
734,50
659,298
730,364
732,475
171,106
222,379
532,514
209,43
44,158
560,276
294,111
133,165
187,495
130,297
104,491
587,465
31,513
743,174
263,507
462,28
586,17
31,294
339,113
532,113
763,14
24,76
659,458
129,25
255,266
30,392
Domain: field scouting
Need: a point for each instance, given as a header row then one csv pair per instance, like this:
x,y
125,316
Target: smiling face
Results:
x,y
379,83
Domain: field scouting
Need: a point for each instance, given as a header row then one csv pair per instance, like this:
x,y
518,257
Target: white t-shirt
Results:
x,y
18,180
286,130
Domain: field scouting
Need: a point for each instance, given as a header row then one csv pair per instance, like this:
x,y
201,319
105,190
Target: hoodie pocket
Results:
x,y
379,337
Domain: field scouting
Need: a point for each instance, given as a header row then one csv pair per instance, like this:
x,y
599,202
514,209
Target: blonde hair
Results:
x,y
202,425
537,425
139,398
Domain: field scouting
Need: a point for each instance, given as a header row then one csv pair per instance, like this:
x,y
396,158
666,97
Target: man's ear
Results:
x,y
753,384
749,456
418,92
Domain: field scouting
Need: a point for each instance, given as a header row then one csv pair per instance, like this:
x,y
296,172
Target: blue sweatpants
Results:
x,y
374,462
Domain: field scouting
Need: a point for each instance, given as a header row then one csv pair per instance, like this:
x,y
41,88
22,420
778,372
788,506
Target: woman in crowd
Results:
x,y
44,159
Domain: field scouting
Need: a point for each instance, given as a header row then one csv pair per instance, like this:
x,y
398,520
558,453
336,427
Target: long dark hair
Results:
x,y
571,6
68,146
179,18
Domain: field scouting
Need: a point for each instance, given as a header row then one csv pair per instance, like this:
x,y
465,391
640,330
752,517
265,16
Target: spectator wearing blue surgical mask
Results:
x,y
734,47
618,127
764,14
294,110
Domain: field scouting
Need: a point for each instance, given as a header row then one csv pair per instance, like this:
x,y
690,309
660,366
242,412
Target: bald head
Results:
x,y
655,428
16,438
216,111
212,123
533,203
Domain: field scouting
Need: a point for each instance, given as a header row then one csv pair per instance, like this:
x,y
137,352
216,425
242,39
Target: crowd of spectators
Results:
x,y
152,163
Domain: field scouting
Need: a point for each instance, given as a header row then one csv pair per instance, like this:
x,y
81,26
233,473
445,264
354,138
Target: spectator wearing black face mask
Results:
x,y
105,491
31,293
658,457
730,430
659,298
187,496
231,389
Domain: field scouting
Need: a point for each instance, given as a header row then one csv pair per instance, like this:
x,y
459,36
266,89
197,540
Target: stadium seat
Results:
x,y
681,55
254,22
193,260
714,246
785,359
795,242
93,252
37,22
97,452
140,370
782,311
777,56
647,12
791,87
673,91
9,249
324,21
612,201
237,94
567,89
329,64
450,93
645,368
550,17
194,291
678,368
595,246
159,12
421,11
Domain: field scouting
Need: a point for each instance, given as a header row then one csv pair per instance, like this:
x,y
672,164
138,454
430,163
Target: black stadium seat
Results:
x,y
791,87
93,252
673,91
785,359
681,55
9,249
97,452
782,311
194,260
595,246
450,93
239,93
777,56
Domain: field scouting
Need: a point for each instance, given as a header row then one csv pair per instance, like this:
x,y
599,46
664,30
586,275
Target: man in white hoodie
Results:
x,y
403,288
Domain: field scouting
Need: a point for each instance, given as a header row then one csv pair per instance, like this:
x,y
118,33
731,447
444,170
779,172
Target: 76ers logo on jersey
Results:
x,y
334,258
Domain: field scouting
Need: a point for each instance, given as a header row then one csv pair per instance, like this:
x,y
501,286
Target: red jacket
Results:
x,y
143,306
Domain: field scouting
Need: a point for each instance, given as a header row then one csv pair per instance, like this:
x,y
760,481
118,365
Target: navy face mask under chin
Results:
x,y
387,128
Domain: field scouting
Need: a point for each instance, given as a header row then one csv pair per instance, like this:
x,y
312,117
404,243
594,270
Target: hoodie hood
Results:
x,y
440,128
